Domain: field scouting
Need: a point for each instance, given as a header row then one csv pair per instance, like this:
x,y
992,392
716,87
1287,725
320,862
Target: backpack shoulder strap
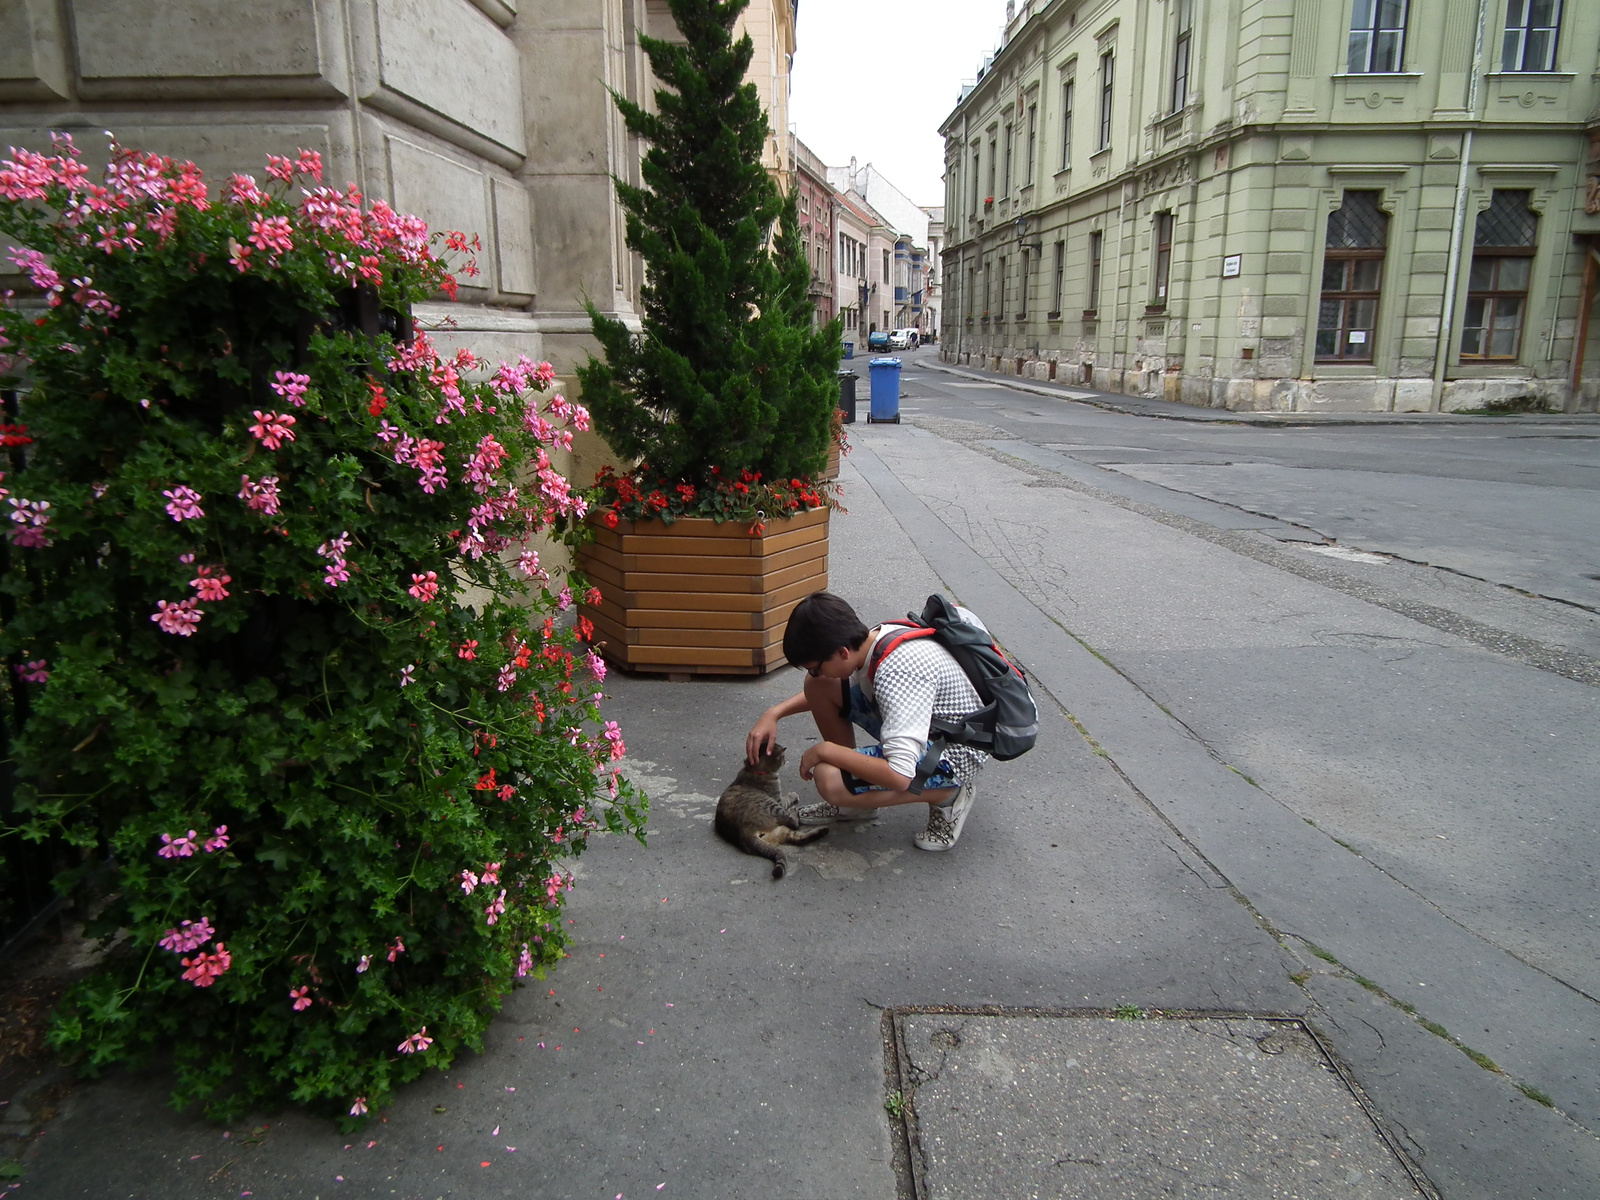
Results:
x,y
888,641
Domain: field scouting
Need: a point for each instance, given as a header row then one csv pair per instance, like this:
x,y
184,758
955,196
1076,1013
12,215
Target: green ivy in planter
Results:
x,y
277,643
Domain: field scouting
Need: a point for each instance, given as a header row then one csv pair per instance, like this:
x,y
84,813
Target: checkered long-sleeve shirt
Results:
x,y
916,682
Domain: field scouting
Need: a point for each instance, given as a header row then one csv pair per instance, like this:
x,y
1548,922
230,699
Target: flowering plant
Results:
x,y
285,652
641,495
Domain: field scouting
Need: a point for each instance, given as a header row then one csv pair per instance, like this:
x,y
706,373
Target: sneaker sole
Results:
x,y
867,814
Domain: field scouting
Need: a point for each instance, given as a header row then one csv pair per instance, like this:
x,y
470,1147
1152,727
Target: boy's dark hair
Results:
x,y
819,625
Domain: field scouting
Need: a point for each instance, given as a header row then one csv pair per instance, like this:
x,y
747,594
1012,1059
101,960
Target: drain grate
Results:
x,y
1089,1104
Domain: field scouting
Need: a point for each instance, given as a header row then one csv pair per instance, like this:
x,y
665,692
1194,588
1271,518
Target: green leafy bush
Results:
x,y
279,645
728,380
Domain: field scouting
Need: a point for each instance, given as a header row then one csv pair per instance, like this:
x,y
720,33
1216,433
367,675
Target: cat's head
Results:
x,y
770,762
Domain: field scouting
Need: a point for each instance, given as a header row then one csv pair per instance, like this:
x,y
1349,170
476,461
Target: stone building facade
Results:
x,y
819,209
1291,205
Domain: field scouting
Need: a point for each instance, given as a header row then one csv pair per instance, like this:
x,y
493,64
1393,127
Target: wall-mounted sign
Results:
x,y
1231,265
1358,337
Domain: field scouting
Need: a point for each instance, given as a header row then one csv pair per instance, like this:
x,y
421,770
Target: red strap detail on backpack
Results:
x,y
882,650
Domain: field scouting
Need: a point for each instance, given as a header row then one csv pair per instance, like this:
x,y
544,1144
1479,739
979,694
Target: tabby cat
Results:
x,y
752,816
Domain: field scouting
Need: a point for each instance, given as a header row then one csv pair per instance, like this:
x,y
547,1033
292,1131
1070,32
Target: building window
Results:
x,y
1377,36
1000,313
1033,139
994,159
1161,272
977,162
988,289
1531,28
1066,125
886,267
1352,274
1180,54
1107,79
1006,190
972,289
1060,278
1096,242
1497,288
1022,288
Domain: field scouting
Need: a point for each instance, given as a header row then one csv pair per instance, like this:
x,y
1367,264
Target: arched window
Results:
x,y
1497,288
1352,277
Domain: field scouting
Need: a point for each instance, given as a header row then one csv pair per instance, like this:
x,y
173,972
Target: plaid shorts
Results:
x,y
864,715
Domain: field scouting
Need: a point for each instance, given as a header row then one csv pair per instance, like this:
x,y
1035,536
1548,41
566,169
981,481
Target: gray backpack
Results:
x,y
1007,726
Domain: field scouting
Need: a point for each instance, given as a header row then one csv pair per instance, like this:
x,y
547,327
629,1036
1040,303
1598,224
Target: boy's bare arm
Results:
x,y
863,766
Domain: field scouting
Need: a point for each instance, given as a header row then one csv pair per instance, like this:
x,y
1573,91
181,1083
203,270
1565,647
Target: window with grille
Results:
x,y
1377,36
1107,79
1005,278
1180,54
1531,29
1066,124
1033,139
977,163
1096,241
1022,287
1352,278
1161,267
1061,271
1497,285
1006,189
994,159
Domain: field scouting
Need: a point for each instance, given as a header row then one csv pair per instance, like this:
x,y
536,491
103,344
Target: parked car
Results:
x,y
878,339
903,339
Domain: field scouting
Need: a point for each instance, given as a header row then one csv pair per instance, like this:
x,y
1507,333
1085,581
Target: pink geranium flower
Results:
x,y
218,840
396,950
524,961
414,1043
425,587
273,429
291,387
183,503
359,1108
408,675
177,847
301,997
37,671
206,969
187,936
261,496
468,882
271,235
365,963
180,618
210,586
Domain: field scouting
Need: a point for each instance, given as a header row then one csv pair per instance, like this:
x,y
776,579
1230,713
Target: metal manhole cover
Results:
x,y
1092,1107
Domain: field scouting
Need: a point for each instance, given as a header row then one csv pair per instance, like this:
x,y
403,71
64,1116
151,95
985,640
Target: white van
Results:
x,y
903,339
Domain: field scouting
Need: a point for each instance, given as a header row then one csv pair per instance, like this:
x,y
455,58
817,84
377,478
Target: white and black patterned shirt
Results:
x,y
915,682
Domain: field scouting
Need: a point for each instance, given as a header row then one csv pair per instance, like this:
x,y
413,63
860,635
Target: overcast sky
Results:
x,y
874,78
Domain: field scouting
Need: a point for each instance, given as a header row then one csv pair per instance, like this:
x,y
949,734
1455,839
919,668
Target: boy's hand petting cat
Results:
x,y
762,737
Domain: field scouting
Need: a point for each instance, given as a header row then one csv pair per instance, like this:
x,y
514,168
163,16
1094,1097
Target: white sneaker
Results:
x,y
823,813
945,822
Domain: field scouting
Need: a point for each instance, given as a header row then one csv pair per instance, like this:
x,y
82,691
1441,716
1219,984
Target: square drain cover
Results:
x,y
1033,1106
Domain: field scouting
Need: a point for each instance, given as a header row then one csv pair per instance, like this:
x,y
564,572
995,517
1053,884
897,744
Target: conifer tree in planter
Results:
x,y
724,403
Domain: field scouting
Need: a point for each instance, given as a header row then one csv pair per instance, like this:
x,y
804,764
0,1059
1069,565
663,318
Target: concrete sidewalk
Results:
x,y
1146,406
888,1022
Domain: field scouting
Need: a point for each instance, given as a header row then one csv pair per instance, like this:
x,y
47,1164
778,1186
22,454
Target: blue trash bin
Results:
x,y
885,391
849,349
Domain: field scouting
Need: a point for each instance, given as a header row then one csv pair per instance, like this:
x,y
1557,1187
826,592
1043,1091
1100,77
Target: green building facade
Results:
x,y
1283,205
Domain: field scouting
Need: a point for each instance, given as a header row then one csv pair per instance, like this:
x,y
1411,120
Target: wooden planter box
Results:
x,y
698,597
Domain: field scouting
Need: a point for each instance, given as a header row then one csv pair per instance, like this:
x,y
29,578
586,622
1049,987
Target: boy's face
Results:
x,y
838,665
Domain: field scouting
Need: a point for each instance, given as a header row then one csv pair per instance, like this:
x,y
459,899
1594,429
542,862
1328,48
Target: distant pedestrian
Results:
x,y
893,702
